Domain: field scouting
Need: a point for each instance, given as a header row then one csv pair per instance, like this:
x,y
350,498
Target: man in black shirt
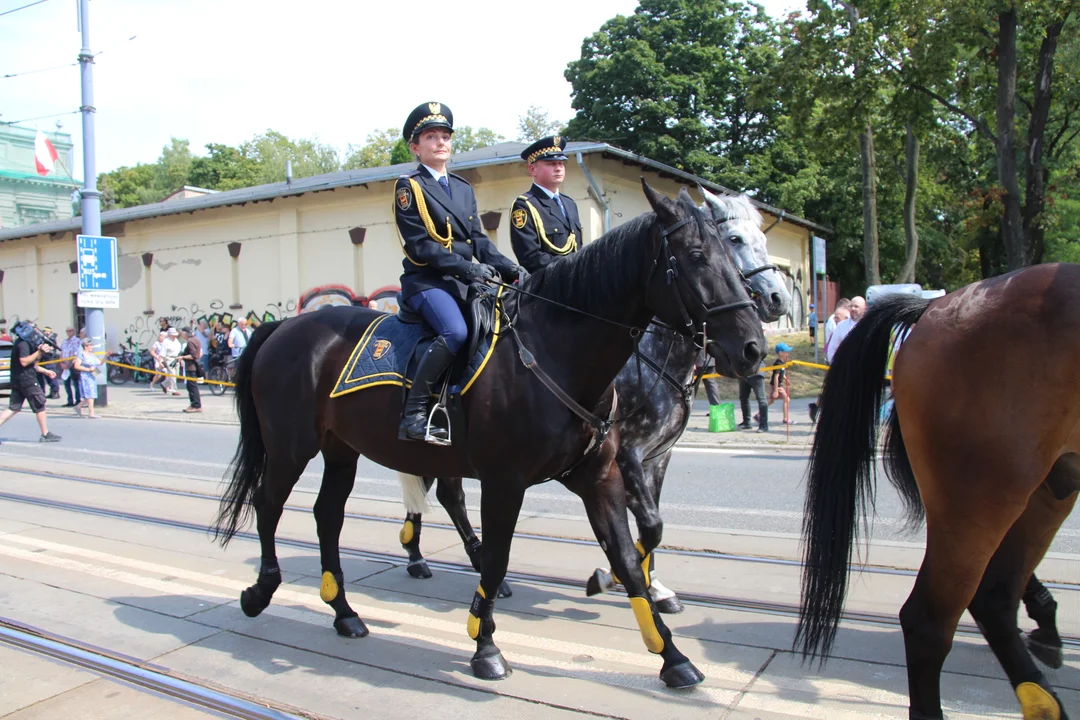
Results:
x,y
24,386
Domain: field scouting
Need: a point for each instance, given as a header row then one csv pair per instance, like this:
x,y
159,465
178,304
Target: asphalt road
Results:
x,y
712,488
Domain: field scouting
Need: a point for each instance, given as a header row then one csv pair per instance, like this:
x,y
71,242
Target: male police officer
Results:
x,y
544,223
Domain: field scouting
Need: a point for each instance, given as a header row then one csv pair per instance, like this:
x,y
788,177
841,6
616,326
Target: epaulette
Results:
x,y
526,197
414,173
459,178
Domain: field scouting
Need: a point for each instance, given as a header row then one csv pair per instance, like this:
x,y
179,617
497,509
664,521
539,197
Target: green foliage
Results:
x,y
128,186
271,149
537,123
466,139
224,168
400,153
376,151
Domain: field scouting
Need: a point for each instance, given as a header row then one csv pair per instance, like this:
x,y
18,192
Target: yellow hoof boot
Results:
x,y
1037,703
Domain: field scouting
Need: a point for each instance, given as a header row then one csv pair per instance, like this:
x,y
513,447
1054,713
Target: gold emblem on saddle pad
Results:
x,y
404,198
379,349
518,218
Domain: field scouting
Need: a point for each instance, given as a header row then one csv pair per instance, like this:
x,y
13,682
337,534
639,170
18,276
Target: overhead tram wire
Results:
x,y
14,10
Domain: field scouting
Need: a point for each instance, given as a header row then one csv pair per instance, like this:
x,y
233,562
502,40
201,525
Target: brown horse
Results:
x,y
536,412
984,442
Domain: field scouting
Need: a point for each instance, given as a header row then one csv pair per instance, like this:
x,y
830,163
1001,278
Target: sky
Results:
x,y
224,70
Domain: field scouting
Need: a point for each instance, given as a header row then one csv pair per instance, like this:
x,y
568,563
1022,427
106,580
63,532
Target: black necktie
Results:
x,y
445,186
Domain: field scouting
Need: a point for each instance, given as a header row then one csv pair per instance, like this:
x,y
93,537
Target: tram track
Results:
x,y
702,600
869,569
142,675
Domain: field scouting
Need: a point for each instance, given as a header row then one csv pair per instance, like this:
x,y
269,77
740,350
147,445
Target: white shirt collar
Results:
x,y
546,191
434,173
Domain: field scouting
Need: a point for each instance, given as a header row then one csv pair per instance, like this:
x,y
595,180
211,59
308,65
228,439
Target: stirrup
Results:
x,y
428,437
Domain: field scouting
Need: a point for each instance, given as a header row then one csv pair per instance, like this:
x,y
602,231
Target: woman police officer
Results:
x,y
441,234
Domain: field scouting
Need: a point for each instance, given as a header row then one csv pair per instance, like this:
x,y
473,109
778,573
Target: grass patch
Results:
x,y
805,382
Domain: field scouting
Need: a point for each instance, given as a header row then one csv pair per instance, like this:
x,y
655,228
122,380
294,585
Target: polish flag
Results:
x,y
44,154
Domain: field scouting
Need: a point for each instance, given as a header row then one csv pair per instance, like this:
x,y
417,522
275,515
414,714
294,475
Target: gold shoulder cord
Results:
x,y
429,224
571,241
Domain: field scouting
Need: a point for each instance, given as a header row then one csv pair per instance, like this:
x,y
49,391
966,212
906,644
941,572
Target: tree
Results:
x,y
128,186
537,123
375,152
271,150
684,82
466,139
224,168
173,166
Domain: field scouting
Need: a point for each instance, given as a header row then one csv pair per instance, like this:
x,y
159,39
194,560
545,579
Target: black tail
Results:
x,y
249,461
840,482
898,470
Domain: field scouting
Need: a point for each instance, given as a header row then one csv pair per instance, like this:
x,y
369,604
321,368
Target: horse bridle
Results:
x,y
674,276
749,273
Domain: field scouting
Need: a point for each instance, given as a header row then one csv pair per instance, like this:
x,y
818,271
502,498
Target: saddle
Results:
x,y
388,352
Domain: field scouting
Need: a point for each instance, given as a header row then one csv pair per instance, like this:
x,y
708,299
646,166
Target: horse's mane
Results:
x,y
601,271
735,207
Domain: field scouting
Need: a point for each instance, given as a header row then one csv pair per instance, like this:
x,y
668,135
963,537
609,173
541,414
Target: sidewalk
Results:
x,y
137,401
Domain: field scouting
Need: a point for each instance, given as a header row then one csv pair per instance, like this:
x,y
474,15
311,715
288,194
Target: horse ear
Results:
x,y
661,204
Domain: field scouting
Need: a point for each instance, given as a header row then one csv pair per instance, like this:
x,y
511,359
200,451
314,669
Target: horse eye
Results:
x,y
735,240
698,258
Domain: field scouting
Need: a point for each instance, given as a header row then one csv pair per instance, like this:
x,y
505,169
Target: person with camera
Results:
x,y
24,385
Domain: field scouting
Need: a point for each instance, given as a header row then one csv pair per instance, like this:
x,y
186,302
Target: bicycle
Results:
x,y
129,356
222,369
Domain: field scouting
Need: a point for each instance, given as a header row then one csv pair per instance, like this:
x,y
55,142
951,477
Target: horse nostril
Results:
x,y
777,301
751,353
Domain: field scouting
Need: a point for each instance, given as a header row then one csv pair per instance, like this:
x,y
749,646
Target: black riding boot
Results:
x,y
435,361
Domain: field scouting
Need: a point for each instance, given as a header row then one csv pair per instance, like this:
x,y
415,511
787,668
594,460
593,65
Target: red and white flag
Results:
x,y
44,154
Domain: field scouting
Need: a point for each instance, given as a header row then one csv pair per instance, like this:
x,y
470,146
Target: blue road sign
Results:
x,y
97,263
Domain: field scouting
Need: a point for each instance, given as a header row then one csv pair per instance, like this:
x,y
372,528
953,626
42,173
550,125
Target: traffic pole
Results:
x,y
90,196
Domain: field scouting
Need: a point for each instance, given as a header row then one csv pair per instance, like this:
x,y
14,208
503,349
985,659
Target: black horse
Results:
x,y
534,414
656,389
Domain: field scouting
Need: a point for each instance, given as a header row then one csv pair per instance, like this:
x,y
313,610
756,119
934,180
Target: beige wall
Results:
x,y
291,245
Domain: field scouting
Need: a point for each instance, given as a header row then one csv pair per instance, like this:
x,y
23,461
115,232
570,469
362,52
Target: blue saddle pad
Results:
x,y
384,354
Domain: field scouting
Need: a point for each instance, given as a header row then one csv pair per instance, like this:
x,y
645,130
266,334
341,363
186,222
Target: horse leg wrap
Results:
x,y
1037,703
646,563
257,597
648,621
473,549
410,531
332,592
480,615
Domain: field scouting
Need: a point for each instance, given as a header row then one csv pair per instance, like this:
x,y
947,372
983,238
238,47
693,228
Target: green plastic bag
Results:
x,y
722,417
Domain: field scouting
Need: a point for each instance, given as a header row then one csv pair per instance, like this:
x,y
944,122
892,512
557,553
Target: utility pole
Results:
x,y
91,197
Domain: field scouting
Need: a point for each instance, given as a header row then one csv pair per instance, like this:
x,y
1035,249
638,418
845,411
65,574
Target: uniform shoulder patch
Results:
x,y
404,198
518,217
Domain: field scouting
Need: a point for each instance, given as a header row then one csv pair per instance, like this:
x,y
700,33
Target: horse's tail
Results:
x,y
840,481
249,462
414,493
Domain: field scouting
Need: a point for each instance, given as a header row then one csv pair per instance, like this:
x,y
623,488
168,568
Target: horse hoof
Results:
x,y
683,675
1049,655
670,606
490,667
250,604
350,627
419,570
601,581
504,590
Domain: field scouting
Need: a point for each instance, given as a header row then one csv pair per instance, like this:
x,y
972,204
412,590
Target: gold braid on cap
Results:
x,y
538,153
429,224
440,118
571,241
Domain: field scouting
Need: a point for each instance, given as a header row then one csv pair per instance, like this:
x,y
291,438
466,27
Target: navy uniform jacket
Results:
x,y
539,233
440,236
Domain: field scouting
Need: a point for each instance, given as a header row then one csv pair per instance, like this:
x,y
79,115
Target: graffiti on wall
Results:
x,y
143,329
